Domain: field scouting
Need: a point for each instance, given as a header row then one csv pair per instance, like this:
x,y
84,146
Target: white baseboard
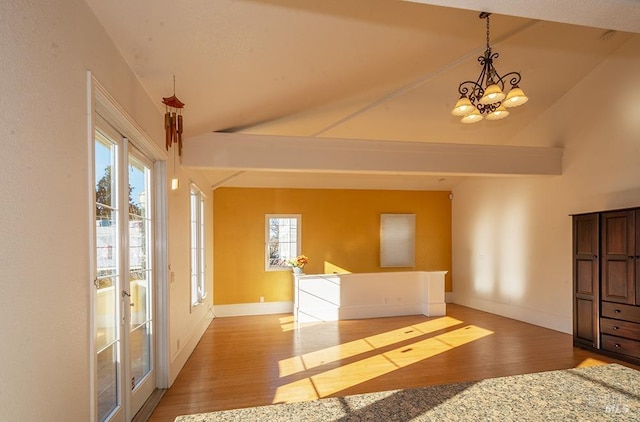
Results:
x,y
267,308
245,309
180,357
378,311
520,313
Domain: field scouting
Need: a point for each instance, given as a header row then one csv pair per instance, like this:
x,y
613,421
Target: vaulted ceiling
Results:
x,y
377,70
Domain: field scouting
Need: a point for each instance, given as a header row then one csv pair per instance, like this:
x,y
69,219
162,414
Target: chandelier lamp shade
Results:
x,y
485,97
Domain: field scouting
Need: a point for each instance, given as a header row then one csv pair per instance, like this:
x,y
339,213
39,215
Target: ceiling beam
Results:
x,y
243,152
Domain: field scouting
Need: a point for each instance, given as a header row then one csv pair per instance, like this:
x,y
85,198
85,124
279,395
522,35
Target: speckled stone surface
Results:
x,y
600,393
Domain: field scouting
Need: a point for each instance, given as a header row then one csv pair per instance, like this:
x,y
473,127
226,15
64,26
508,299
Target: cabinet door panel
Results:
x,y
616,239
584,321
585,279
637,256
618,248
586,235
585,274
637,284
616,274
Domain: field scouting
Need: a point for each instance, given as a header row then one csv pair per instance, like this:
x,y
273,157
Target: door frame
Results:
x,y
100,101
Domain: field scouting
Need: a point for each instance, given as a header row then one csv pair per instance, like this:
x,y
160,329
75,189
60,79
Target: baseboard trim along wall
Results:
x,y
246,309
268,308
555,322
448,297
179,358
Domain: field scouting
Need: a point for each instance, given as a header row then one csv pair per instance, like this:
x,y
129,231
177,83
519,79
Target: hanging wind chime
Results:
x,y
173,119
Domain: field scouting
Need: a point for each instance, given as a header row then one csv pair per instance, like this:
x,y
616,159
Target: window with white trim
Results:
x,y
282,240
198,266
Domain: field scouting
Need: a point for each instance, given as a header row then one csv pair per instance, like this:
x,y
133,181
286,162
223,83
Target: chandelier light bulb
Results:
x,y
499,113
473,117
463,107
515,97
492,94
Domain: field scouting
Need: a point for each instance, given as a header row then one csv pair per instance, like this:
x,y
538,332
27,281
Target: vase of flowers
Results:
x,y
298,263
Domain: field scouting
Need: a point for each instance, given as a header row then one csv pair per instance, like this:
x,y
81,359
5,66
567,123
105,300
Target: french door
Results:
x,y
124,281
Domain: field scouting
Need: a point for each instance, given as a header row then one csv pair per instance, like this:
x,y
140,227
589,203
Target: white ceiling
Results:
x,y
356,69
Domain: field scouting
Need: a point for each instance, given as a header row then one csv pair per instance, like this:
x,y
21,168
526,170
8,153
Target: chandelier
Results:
x,y
485,97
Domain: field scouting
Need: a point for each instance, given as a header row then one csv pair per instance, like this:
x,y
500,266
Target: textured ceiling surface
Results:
x,y
361,69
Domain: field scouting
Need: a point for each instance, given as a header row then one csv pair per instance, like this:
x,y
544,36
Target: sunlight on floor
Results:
x,y
590,362
402,334
332,354
345,376
289,324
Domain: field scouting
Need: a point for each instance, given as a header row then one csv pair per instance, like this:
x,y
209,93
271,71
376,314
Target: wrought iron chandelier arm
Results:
x,y
513,81
472,90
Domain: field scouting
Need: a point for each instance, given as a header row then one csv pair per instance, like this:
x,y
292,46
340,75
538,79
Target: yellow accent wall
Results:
x,y
340,232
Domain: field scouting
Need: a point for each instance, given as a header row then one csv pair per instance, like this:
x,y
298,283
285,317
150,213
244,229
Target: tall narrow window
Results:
x,y
282,240
198,279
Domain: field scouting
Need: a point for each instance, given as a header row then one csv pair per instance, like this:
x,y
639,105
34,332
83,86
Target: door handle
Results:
x,y
123,317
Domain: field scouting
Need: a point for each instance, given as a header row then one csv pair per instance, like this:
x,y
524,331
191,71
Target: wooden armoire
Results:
x,y
606,282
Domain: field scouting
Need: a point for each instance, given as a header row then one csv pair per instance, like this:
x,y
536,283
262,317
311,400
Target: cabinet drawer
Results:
x,y
621,345
619,328
620,311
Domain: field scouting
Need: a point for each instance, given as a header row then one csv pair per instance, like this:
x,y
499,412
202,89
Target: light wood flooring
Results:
x,y
260,360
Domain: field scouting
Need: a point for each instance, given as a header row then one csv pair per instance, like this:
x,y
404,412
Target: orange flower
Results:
x,y
299,261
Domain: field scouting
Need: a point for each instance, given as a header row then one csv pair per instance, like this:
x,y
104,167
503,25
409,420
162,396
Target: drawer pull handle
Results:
x,y
616,311
618,346
615,327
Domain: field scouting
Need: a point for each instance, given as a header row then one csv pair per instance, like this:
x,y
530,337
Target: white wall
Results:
x,y
512,236
186,325
46,48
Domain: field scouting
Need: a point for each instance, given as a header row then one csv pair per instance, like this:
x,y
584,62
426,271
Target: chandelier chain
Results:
x,y
488,45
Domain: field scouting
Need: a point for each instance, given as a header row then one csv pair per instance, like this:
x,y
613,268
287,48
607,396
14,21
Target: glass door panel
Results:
x,y
140,270
140,352
107,281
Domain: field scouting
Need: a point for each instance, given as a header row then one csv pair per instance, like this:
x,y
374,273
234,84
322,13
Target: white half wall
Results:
x,y
512,236
331,297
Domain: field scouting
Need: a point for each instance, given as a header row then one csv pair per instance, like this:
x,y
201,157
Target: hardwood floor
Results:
x,y
260,360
